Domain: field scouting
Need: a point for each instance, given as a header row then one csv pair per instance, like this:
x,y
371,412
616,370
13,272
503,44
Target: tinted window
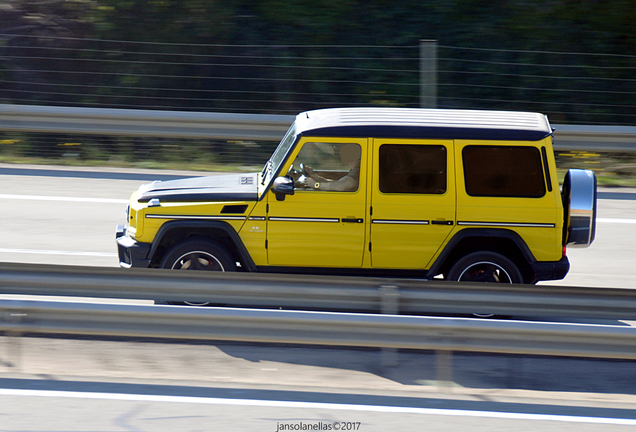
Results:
x,y
503,171
417,169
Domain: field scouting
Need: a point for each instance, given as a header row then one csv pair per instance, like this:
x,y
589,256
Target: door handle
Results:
x,y
352,220
441,222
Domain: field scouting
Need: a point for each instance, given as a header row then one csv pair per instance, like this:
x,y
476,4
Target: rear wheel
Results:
x,y
200,255
485,267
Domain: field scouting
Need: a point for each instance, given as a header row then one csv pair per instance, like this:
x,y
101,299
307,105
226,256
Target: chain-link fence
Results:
x,y
574,88
582,88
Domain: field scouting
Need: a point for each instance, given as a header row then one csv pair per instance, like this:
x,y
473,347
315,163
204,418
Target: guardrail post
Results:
x,y
444,368
515,371
390,304
13,342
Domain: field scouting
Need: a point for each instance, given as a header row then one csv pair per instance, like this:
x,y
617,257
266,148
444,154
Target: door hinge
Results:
x,y
265,244
369,246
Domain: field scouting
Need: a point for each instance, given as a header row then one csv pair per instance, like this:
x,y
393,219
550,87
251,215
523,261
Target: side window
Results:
x,y
413,169
327,167
503,171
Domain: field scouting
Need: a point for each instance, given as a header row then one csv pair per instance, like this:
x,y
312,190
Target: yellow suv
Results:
x,y
469,195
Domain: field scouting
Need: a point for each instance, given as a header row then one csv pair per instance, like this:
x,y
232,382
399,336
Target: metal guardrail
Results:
x,y
321,328
594,138
327,293
128,122
386,329
258,127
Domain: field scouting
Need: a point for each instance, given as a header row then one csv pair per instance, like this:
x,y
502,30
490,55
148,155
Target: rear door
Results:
x,y
412,201
512,194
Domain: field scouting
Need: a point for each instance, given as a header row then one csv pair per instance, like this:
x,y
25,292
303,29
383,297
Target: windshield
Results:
x,y
273,164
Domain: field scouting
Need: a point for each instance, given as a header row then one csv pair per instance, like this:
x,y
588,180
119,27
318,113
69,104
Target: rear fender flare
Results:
x,y
441,263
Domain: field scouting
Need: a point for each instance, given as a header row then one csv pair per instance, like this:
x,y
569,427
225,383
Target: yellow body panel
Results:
x,y
135,225
152,218
539,221
407,229
307,228
254,233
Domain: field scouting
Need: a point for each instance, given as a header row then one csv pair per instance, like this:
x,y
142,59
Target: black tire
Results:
x,y
485,267
198,255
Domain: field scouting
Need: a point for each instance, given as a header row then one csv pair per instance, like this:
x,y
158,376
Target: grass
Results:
x,y
611,169
147,164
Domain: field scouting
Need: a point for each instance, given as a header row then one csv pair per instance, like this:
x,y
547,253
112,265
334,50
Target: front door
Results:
x,y
412,201
322,224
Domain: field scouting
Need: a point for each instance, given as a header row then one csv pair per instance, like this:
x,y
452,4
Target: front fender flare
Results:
x,y
204,225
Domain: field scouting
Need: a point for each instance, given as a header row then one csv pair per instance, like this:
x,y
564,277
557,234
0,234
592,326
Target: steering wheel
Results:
x,y
296,175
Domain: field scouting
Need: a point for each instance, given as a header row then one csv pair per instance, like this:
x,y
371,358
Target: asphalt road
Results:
x,y
61,216
88,385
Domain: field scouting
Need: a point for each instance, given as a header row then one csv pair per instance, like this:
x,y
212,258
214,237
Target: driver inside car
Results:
x,y
349,155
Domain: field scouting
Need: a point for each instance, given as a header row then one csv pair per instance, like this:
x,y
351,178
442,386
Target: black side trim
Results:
x,y
428,132
199,196
199,224
548,178
332,271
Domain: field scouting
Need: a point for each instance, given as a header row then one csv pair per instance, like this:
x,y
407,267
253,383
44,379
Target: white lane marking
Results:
x,y
616,221
317,405
61,198
56,252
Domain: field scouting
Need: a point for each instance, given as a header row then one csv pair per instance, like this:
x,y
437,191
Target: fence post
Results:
x,y
428,74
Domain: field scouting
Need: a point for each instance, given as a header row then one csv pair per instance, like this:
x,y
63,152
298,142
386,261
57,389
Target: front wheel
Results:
x,y
198,254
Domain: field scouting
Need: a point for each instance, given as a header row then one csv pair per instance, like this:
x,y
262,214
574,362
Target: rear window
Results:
x,y
503,171
413,169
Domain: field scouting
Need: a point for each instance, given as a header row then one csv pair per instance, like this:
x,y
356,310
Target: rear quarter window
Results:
x,y
503,171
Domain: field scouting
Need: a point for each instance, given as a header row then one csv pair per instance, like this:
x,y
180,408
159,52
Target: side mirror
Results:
x,y
283,186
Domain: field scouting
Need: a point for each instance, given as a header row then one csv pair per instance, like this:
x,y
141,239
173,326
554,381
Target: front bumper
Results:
x,y
131,253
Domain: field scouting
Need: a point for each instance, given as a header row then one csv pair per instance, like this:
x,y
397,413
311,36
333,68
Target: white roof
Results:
x,y
413,118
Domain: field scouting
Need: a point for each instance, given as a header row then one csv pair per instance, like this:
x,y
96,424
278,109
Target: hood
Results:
x,y
233,187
